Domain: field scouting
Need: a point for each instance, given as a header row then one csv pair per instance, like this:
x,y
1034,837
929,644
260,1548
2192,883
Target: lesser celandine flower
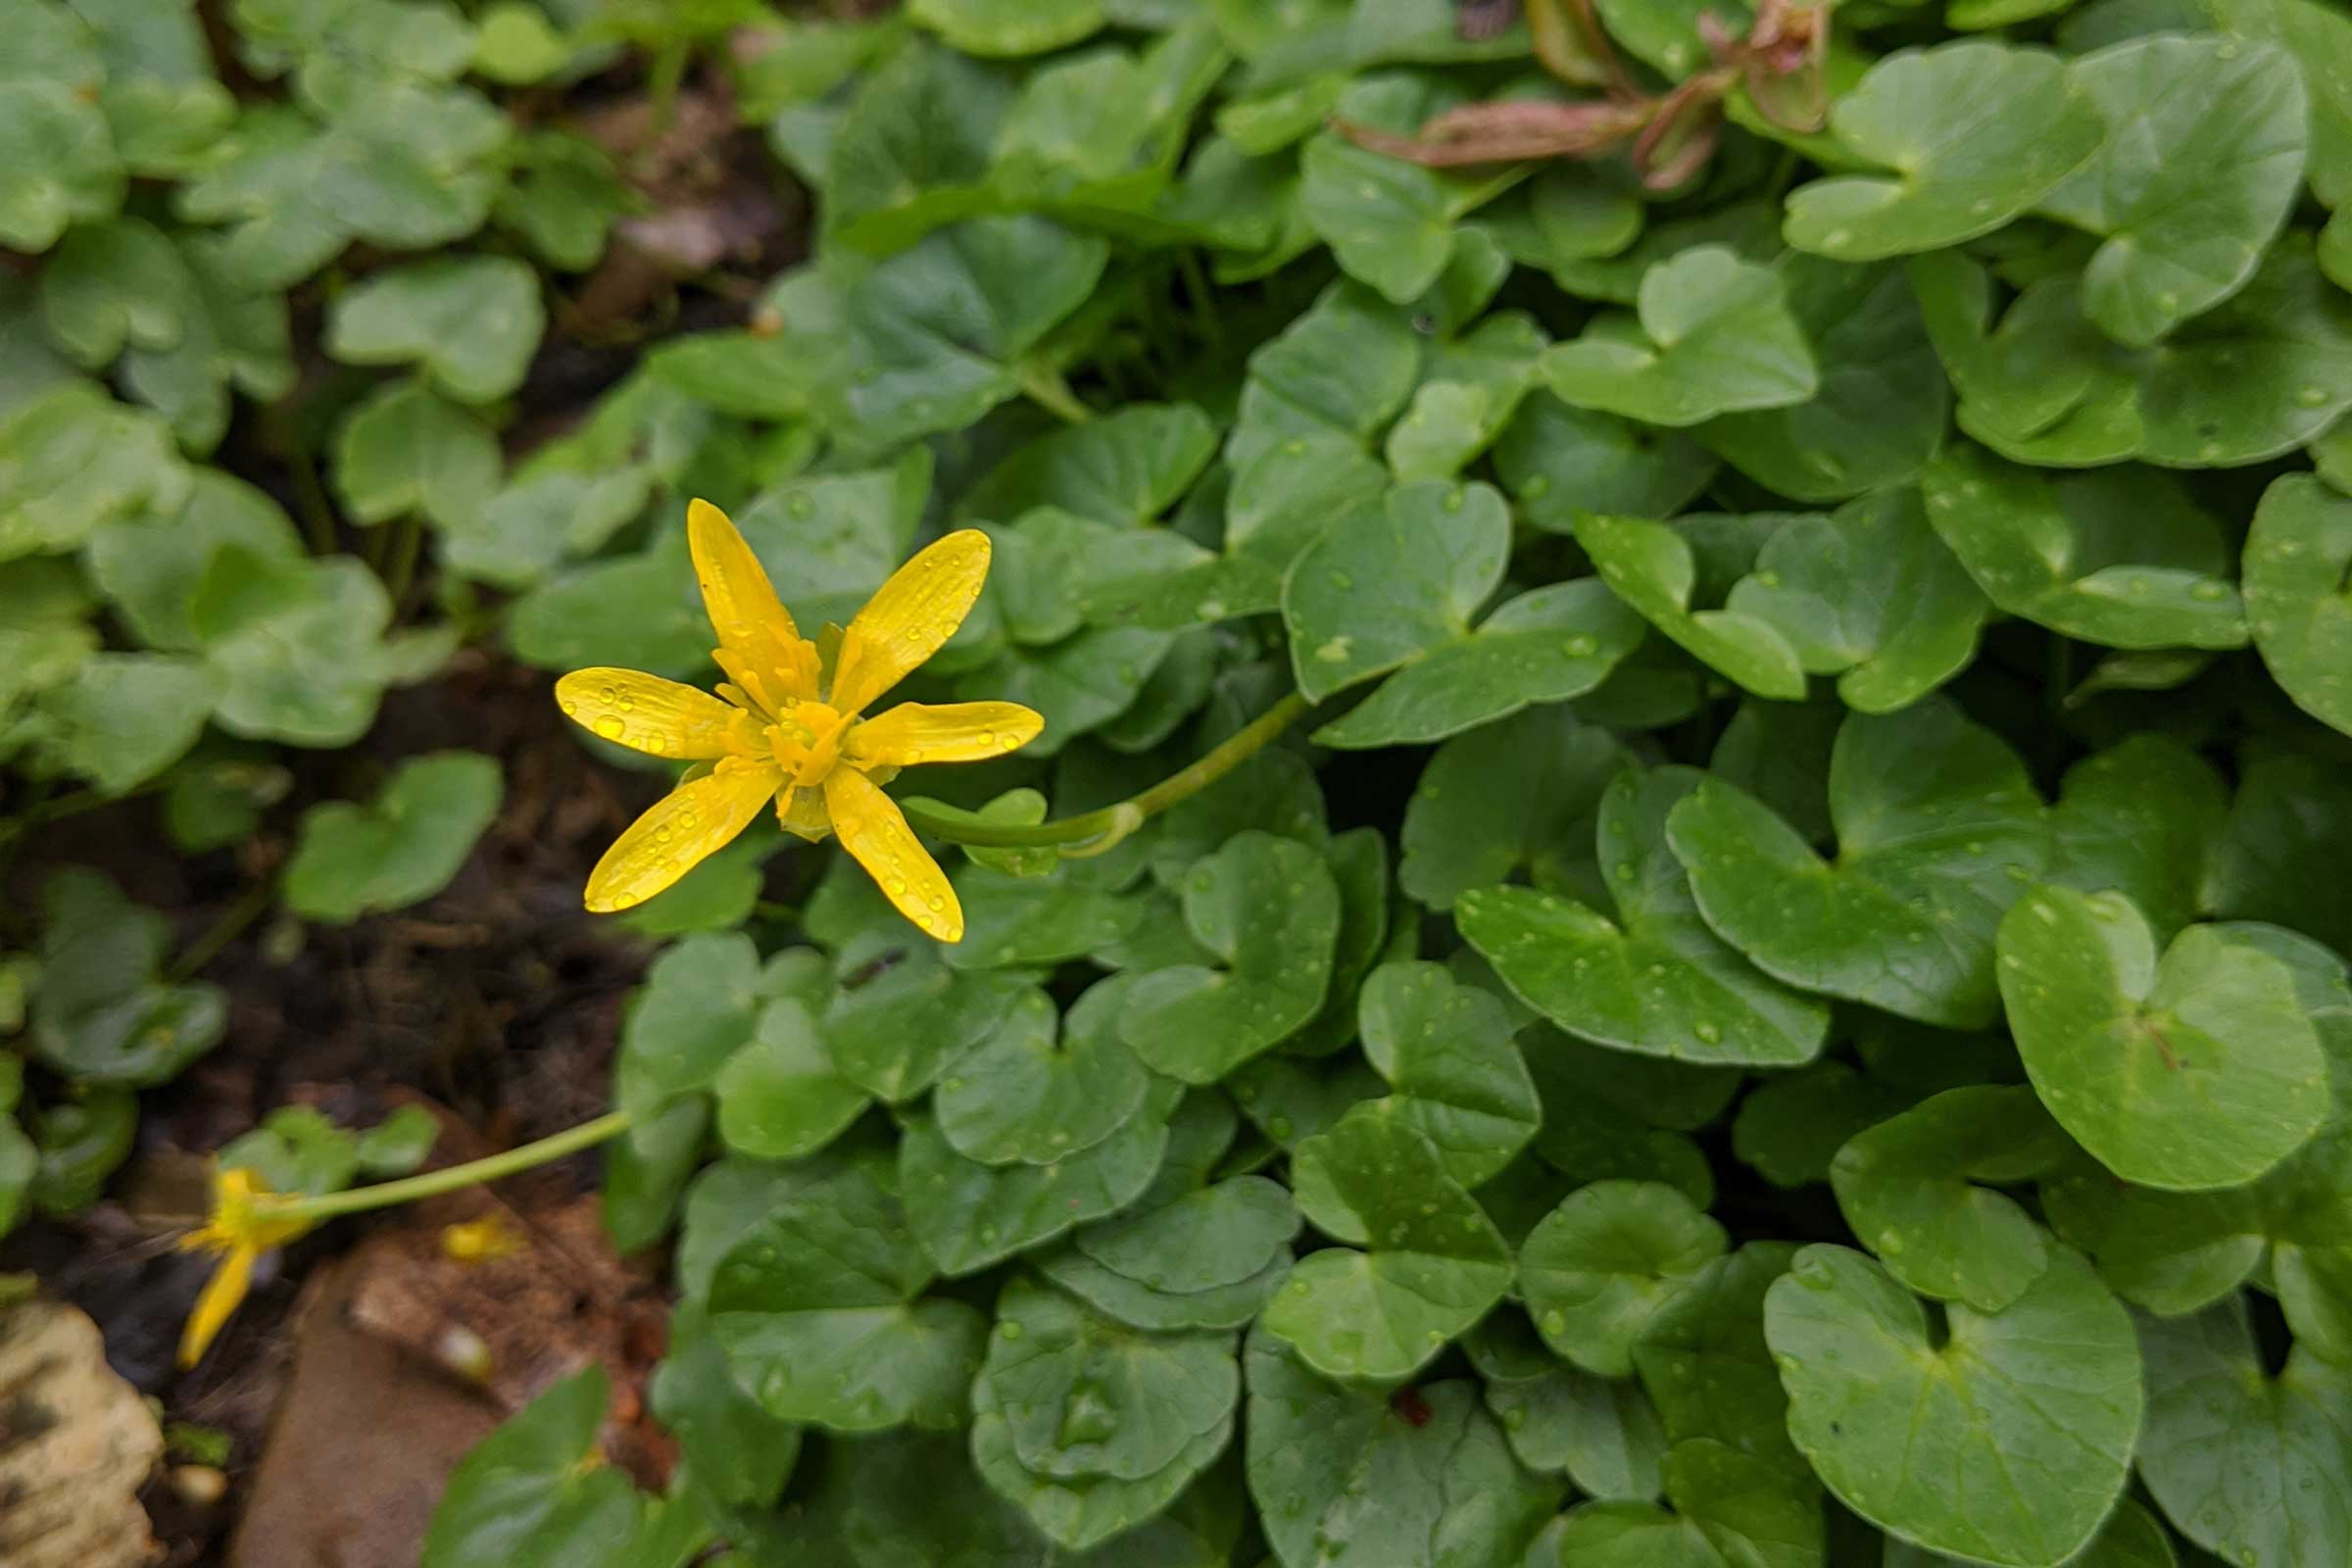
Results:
x,y
789,724
242,1227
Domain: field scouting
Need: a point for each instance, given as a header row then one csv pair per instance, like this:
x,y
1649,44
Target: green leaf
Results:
x,y
1433,1263
969,1215
1651,568
1703,1358
1268,911
736,1448
1790,1128
1128,466
1715,335
2297,554
72,461
1599,1264
2121,558
698,1006
1344,1474
1521,793
1882,404
1656,979
1729,1508
1925,1437
1020,1096
1939,829
2140,817
1918,1190
2199,1070
2249,1464
779,1095
1008,27
1390,223
2292,812
1609,1115
121,718
406,450
1547,645
901,1016
1870,595
400,849
100,1014
1601,1432
817,1310
1977,134
1391,581
1454,1074
2200,164
533,1493
470,322
566,192
1557,461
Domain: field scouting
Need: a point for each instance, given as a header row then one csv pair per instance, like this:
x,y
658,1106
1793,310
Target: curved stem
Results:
x,y
433,1182
1078,835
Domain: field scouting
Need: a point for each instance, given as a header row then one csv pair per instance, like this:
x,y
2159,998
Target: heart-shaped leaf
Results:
x,y
2140,817
1714,335
1870,595
472,323
1599,1264
1977,133
1651,568
1457,1078
1730,1508
2200,167
1654,980
1601,1432
2252,1465
102,1013
1939,829
2122,556
1923,1436
818,1310
1521,793
1919,1190
1269,911
1432,1263
404,848
1703,1358
2200,1070
1557,461
2297,557
779,1095
1020,1096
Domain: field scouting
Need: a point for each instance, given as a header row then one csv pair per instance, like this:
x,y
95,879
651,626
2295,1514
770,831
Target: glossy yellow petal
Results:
x,y
871,828
646,713
952,732
909,617
752,622
690,822
802,811
222,1296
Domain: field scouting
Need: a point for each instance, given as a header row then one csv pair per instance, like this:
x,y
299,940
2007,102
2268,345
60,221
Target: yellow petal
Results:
x,y
690,822
952,732
909,617
872,829
802,811
646,712
752,622
222,1295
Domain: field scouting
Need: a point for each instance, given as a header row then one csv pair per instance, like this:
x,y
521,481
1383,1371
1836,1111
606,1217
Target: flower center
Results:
x,y
806,741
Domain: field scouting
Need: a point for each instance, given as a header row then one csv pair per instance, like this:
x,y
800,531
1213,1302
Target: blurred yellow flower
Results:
x,y
480,1241
791,725
241,1229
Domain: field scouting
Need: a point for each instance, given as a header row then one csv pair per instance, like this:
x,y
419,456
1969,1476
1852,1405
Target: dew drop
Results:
x,y
609,727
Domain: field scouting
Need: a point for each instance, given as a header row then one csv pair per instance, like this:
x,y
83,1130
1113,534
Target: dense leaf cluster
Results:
x,y
1788,1006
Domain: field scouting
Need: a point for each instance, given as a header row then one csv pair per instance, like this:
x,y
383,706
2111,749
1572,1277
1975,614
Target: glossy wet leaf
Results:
x,y
1651,568
819,1312
1727,1508
1703,1358
1923,1437
407,450
699,1005
1870,595
1341,1473
1792,1127
1518,794
534,1492
1127,466
1454,1074
779,1095
1656,979
1041,1088
472,323
2200,164
1268,911
736,1448
2141,818
1388,222
1557,459
402,847
1921,1191
1430,1264
1714,335
1976,133
901,1014
1601,1432
2123,558
2197,1071
1938,830
1599,1264
2297,555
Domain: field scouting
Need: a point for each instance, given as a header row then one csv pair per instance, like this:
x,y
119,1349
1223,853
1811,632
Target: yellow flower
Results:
x,y
791,725
480,1241
241,1229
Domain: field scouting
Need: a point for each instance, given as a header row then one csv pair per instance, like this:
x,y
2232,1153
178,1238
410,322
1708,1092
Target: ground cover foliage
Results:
x,y
1785,1005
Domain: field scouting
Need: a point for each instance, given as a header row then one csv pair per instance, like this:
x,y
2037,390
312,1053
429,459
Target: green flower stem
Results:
x,y
1047,389
433,1182
1092,832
